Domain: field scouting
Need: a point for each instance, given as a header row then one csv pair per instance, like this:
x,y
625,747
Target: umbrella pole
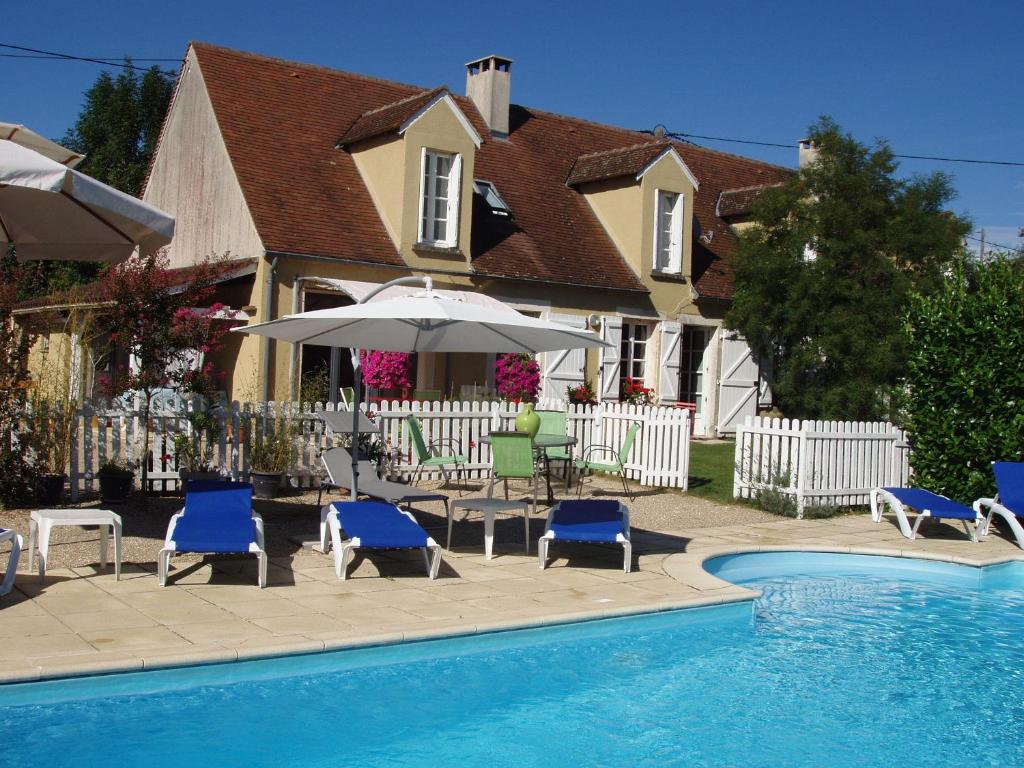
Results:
x,y
357,398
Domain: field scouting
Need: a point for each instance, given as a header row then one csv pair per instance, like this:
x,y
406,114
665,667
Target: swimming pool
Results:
x,y
845,660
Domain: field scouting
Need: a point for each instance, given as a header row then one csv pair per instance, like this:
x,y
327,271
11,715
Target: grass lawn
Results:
x,y
711,470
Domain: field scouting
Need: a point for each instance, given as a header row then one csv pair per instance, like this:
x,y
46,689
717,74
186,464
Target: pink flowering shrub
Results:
x,y
385,370
517,377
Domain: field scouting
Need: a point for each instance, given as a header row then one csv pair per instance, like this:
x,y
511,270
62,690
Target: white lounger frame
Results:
x,y
163,560
881,497
330,538
17,543
994,507
627,546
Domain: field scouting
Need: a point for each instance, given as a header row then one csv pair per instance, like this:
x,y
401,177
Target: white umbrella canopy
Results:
x,y
426,322
49,211
19,134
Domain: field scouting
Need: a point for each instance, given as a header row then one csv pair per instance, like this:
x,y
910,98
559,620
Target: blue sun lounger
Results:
x,y
927,504
217,518
373,525
7,584
591,521
1009,501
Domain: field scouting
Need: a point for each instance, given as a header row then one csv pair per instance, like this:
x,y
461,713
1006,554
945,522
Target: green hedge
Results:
x,y
964,402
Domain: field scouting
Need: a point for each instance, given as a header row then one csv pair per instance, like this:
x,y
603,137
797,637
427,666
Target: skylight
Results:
x,y
489,193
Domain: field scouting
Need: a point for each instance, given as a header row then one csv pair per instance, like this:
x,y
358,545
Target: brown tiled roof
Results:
x,y
627,161
388,118
281,122
739,202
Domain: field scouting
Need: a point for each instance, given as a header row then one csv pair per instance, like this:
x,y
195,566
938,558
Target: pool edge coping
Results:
x,y
713,591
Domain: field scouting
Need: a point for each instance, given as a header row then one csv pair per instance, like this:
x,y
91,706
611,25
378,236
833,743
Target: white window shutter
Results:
x,y
566,367
423,193
454,190
676,248
611,357
671,356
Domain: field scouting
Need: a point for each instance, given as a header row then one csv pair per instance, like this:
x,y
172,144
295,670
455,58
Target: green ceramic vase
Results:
x,y
528,421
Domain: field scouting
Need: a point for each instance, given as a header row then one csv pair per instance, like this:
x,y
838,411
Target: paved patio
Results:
x,y
81,621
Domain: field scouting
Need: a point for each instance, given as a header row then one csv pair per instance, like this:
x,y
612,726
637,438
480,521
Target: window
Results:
x,y
489,193
634,352
691,370
439,198
668,232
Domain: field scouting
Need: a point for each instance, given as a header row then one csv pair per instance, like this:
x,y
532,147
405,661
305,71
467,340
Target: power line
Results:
x,y
990,244
111,59
687,136
91,59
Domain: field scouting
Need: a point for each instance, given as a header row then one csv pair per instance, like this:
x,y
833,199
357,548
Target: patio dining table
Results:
x,y
542,441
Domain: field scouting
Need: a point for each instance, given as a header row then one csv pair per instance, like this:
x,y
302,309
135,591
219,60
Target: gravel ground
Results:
x,y
295,518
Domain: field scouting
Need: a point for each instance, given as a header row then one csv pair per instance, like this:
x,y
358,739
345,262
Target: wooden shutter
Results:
x,y
611,357
454,188
738,387
566,367
423,192
671,356
675,250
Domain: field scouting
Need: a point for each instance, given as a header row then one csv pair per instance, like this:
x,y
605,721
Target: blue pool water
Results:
x,y
844,661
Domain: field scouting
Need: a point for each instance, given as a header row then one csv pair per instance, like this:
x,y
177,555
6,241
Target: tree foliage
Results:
x,y
153,316
17,475
964,400
823,276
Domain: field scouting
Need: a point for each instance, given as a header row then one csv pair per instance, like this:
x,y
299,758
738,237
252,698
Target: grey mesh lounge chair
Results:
x,y
338,463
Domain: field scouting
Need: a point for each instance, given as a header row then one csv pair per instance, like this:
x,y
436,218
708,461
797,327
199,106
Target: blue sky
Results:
x,y
933,78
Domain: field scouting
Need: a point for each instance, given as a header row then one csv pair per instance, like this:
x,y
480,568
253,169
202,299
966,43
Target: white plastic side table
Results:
x,y
43,521
490,507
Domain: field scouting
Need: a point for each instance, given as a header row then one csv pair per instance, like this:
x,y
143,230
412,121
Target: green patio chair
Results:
x,y
348,395
431,456
554,423
617,466
512,458
427,395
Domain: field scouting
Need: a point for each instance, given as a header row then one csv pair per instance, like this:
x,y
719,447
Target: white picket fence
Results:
x,y
660,456
834,463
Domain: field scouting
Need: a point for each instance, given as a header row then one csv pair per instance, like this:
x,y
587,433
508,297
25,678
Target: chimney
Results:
x,y
488,84
807,152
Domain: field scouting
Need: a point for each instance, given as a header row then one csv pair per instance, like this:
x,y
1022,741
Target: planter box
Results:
x,y
115,489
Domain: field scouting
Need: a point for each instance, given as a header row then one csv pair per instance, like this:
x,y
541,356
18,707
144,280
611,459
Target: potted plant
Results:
x,y
194,449
115,481
52,431
582,394
271,454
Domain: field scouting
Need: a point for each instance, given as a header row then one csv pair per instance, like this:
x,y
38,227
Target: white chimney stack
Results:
x,y
807,153
488,84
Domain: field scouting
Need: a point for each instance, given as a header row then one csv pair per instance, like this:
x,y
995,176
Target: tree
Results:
x,y
153,317
117,131
965,378
823,276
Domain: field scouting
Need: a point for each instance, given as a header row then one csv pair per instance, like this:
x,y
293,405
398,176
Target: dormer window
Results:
x,y
668,232
490,195
441,176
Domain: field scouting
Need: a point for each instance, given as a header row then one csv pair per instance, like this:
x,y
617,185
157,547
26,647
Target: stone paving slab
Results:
x,y
82,621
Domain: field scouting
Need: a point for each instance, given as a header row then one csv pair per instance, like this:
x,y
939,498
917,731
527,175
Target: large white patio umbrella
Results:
x,y
49,211
425,321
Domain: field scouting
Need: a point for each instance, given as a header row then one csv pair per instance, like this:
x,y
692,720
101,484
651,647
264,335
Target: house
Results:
x,y
332,182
